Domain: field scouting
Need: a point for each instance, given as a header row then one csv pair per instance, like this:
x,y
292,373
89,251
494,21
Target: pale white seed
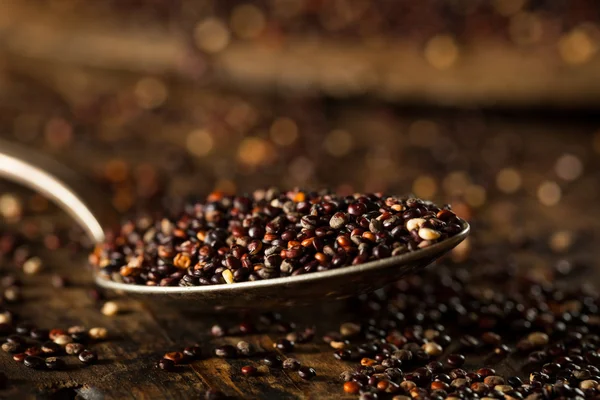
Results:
x,y
32,266
349,329
432,348
228,276
503,388
425,243
429,234
337,344
63,340
110,308
431,334
414,223
5,318
538,339
98,333
76,329
588,384
397,207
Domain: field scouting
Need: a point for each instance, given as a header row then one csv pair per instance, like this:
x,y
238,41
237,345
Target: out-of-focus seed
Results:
x,y
54,363
226,351
166,365
176,356
50,348
538,339
351,387
284,345
88,357
493,380
291,364
455,360
192,353
74,348
34,362
62,340
11,347
110,308
307,373
98,333
32,266
217,331
588,384
433,349
249,370
245,348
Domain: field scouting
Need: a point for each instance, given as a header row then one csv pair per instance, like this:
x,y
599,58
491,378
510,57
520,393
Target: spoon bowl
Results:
x,y
310,288
84,204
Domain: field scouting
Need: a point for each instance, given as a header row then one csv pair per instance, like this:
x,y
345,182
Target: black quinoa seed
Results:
x,y
307,373
54,363
271,360
50,348
166,364
284,345
192,352
226,351
34,362
88,357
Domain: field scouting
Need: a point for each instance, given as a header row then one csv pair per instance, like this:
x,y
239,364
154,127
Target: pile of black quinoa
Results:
x,y
269,234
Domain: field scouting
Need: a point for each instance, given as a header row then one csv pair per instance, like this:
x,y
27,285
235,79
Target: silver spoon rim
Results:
x,y
434,251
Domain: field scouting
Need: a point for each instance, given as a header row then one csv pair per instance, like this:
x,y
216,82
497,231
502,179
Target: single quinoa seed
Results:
x,y
110,308
88,357
307,373
249,370
166,365
291,364
34,362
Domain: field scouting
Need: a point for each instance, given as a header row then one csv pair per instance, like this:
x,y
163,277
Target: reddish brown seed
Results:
x,y
369,236
19,357
249,370
445,215
308,242
351,387
438,385
367,362
175,356
54,333
479,387
383,385
491,338
33,351
321,258
493,380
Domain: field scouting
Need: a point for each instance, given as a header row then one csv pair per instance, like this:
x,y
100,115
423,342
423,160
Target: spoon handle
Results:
x,y
68,190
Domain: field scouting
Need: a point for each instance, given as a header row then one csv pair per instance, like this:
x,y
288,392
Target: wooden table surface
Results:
x,y
141,334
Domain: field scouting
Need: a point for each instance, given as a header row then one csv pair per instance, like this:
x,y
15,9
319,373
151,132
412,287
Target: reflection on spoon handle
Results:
x,y
52,179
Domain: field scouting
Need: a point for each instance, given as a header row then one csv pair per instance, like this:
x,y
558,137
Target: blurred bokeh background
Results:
x,y
488,105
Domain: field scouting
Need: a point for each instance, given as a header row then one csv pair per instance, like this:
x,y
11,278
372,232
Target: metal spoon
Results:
x,y
83,202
